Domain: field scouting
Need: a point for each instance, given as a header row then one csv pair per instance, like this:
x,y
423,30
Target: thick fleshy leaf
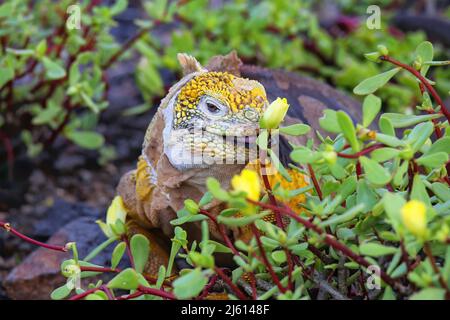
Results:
x,y
434,160
61,292
140,249
429,294
190,284
296,129
329,122
117,254
348,129
372,84
426,53
374,172
371,107
52,69
376,249
86,139
400,120
127,280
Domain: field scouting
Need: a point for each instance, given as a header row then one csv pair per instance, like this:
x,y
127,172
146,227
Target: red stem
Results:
x,y
222,231
315,183
7,227
157,292
84,294
329,239
442,282
425,82
127,243
208,287
360,153
230,283
266,262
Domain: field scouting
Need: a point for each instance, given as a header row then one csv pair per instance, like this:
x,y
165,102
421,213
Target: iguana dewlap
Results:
x,y
208,102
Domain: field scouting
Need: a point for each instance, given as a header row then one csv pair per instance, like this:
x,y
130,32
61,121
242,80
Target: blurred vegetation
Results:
x,y
53,79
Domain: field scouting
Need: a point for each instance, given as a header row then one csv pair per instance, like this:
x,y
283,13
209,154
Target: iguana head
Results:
x,y
211,117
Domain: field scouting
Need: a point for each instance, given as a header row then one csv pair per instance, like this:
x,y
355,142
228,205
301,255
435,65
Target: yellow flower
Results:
x,y
274,114
116,212
414,215
248,182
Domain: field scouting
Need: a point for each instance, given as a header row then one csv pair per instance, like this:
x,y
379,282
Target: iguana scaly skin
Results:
x,y
216,103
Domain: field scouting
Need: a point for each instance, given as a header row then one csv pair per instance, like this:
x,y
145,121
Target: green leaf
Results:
x,y
216,190
47,115
241,221
346,216
419,191
99,295
434,160
60,293
384,154
218,247
371,107
372,84
52,69
118,7
201,260
348,129
429,294
386,126
304,155
441,145
442,191
279,256
206,199
389,140
117,254
140,249
6,74
296,129
127,280
426,52
376,249
190,284
90,103
374,172
329,122
86,139
41,48
419,135
400,120
191,206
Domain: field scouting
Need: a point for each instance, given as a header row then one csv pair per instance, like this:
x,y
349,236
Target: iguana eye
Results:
x,y
212,107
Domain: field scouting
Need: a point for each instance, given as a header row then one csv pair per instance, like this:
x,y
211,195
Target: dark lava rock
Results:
x,y
60,214
39,274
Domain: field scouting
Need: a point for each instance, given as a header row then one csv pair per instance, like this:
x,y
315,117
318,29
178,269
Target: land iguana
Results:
x,y
215,101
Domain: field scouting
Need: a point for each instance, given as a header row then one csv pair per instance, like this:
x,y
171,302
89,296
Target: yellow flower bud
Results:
x,y
248,182
414,215
274,114
116,212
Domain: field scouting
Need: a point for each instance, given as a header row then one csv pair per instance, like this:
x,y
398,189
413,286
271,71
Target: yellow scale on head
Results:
x,y
219,85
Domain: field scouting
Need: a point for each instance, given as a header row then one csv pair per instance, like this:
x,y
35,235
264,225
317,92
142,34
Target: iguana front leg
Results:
x,y
137,191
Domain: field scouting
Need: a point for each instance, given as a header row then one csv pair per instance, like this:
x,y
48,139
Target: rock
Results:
x,y
60,214
39,274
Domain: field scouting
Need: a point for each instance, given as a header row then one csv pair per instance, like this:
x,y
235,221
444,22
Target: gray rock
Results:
x,y
60,214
